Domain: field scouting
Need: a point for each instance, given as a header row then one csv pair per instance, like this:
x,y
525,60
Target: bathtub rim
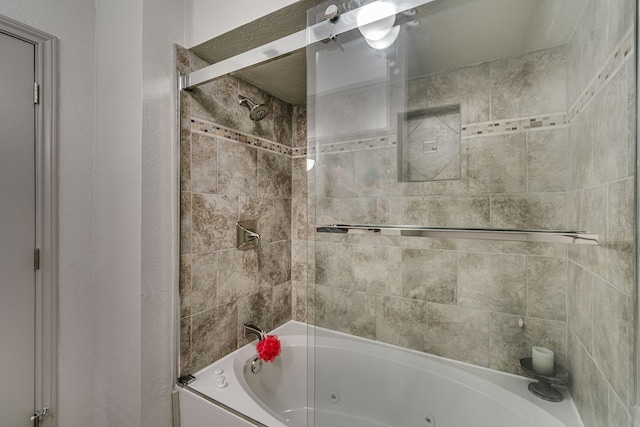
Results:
x,y
180,388
311,332
565,412
230,359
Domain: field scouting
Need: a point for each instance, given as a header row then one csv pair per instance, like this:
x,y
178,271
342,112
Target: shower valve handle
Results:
x,y
247,238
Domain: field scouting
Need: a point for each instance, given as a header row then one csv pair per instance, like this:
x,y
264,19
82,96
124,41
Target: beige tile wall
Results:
x,y
224,180
455,298
302,231
602,288
463,299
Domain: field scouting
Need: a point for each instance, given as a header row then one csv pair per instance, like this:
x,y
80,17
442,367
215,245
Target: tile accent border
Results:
x,y
362,144
616,60
209,128
496,127
506,126
614,63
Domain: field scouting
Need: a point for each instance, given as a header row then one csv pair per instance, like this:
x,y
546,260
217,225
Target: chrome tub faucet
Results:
x,y
250,329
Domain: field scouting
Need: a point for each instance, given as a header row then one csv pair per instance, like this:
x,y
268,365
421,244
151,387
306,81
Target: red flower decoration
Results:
x,y
268,348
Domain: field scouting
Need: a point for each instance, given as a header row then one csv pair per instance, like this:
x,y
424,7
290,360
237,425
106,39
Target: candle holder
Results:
x,y
544,387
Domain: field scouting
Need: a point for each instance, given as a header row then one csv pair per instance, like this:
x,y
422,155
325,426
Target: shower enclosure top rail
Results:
x,y
540,236
321,31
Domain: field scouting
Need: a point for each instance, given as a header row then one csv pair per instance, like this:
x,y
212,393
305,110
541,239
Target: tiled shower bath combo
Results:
x,y
232,171
546,142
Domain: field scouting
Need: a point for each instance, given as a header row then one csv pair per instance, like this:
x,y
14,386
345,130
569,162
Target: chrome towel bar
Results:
x,y
541,236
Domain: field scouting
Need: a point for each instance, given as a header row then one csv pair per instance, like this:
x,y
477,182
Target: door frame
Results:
x,y
46,192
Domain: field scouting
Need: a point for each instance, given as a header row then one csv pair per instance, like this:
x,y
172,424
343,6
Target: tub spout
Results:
x,y
250,329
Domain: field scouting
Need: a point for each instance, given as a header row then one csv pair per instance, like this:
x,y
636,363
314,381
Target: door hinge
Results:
x,y
39,415
36,93
36,259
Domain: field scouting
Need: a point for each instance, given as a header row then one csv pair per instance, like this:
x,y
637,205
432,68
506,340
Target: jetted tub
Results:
x,y
361,383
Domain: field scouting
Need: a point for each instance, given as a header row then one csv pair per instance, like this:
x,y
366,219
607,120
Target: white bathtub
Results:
x,y
358,383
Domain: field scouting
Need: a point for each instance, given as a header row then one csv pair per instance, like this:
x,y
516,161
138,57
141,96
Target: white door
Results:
x,y
17,232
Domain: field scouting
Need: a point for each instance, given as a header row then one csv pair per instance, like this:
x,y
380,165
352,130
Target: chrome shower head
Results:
x,y
257,112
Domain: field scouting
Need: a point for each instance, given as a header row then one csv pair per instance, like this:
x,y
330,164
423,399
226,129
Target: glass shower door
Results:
x,y
471,180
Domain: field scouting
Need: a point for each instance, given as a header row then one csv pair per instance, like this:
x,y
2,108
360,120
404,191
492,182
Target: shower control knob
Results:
x,y
331,13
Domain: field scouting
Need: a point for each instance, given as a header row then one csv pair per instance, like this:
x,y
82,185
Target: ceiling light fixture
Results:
x,y
376,23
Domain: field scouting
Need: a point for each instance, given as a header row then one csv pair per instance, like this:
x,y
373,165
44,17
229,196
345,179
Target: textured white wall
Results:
x,y
206,19
116,216
118,212
135,190
163,25
73,22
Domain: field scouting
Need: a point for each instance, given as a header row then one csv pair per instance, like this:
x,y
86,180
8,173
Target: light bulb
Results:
x,y
376,19
386,41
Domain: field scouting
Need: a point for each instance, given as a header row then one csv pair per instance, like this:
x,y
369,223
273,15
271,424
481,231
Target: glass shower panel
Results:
x,y
476,114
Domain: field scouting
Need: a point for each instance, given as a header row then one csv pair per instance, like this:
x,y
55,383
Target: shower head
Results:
x,y
257,112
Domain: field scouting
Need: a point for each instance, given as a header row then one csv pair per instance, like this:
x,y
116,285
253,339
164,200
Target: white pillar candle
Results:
x,y
542,361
